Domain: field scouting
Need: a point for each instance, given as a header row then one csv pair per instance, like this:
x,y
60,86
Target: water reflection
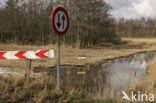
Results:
x,y
7,71
108,78
103,80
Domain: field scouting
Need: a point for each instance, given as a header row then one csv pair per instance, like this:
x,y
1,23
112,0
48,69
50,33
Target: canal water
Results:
x,y
6,71
103,80
107,79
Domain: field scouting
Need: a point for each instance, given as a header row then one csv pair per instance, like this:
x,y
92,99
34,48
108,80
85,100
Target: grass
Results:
x,y
20,90
13,90
69,55
151,71
144,41
35,91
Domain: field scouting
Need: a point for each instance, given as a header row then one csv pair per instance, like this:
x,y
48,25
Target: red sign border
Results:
x,y
53,20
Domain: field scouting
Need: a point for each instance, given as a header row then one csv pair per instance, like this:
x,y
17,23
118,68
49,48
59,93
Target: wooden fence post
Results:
x,y
28,67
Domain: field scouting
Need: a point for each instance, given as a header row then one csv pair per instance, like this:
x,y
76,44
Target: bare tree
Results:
x,y
90,22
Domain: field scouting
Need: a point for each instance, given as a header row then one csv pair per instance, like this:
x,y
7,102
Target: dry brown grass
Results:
x,y
151,70
147,41
94,55
69,55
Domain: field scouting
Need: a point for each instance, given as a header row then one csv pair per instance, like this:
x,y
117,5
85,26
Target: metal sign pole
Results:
x,y
58,63
60,25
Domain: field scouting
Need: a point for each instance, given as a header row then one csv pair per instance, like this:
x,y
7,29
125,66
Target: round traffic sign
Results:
x,y
60,21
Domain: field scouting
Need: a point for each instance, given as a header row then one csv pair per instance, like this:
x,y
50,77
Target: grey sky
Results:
x,y
128,8
2,2
133,8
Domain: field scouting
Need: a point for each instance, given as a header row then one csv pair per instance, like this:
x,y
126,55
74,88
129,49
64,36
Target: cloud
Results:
x,y
144,9
133,8
2,3
127,8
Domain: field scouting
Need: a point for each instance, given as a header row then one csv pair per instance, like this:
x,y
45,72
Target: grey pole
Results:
x,y
58,63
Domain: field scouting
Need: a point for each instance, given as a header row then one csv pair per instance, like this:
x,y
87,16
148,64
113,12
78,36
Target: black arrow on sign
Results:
x,y
58,24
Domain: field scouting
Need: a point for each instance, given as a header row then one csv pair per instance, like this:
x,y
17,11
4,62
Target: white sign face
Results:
x,y
60,21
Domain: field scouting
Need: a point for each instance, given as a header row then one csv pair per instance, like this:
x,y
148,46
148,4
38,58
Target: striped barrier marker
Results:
x,y
27,54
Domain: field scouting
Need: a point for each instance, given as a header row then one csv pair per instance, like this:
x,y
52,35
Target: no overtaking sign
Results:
x,y
60,25
60,21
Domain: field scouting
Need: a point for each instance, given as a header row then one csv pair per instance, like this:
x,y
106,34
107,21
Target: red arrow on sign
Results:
x,y
20,55
63,18
41,54
62,21
1,55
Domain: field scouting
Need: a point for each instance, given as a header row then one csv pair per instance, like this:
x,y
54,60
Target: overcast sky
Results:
x,y
2,2
133,8
128,8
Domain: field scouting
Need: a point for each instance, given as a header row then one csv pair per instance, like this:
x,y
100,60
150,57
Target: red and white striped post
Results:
x,y
28,55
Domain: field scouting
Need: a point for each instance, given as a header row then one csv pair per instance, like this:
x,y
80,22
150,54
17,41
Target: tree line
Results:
x,y
142,27
29,22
